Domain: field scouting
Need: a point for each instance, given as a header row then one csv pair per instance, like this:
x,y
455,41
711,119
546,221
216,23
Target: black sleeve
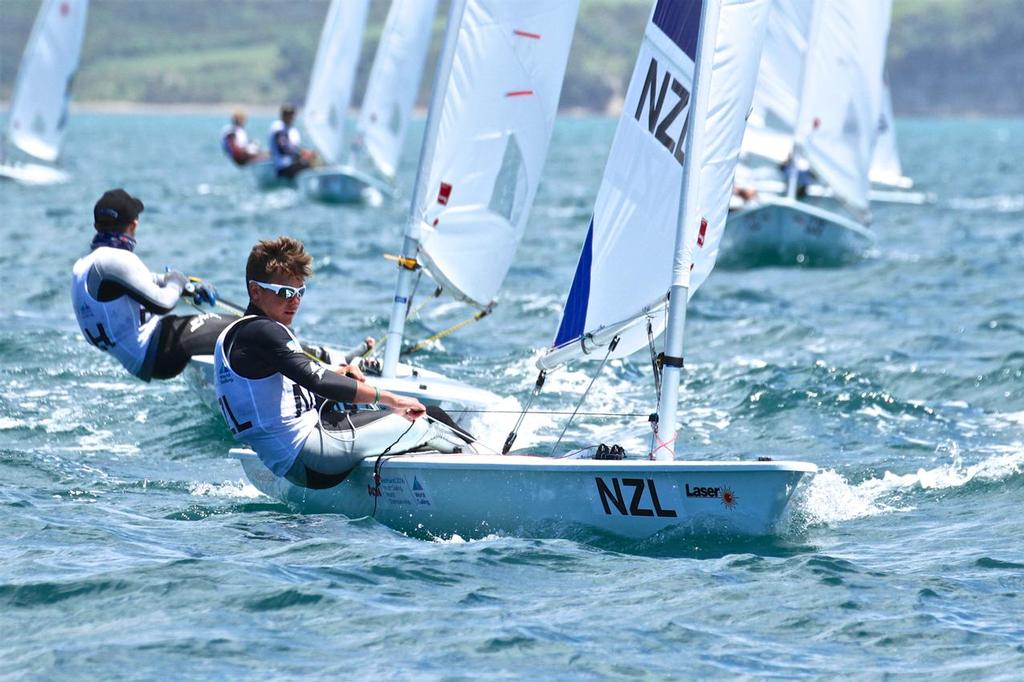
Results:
x,y
262,347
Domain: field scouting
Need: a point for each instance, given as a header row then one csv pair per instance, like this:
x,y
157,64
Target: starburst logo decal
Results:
x,y
728,498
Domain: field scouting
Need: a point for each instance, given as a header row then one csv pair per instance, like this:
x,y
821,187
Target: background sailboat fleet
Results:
x,y
701,93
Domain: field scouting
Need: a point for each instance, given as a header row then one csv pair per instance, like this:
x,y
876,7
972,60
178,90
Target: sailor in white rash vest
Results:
x,y
284,143
122,307
272,395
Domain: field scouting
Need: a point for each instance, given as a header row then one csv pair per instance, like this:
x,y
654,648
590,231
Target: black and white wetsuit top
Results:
x,y
266,385
117,302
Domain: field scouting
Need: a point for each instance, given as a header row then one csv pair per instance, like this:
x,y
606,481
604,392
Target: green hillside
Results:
x,y
945,56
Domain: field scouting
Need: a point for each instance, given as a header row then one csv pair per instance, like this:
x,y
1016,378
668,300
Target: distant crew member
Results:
x,y
235,141
285,151
802,170
122,307
293,411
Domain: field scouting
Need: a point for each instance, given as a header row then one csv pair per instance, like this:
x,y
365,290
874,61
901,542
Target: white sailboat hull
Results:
x,y
430,388
266,178
787,230
33,174
437,496
342,185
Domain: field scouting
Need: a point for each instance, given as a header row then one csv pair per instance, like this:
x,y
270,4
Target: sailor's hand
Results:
x,y
410,408
351,370
369,342
203,293
177,278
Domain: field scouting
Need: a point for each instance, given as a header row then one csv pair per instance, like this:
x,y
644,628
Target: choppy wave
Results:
x,y
830,498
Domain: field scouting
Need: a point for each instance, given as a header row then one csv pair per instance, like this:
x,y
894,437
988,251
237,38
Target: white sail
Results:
x,y
493,128
394,82
885,164
39,106
334,73
626,267
780,80
842,96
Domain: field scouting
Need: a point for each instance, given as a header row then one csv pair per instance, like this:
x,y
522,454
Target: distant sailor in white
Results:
x,y
235,141
291,408
122,307
285,147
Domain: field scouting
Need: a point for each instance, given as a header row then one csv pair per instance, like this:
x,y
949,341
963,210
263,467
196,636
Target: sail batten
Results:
x,y
42,92
333,77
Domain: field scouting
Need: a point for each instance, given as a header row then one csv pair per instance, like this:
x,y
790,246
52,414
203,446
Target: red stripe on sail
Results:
x,y
519,93
703,232
527,34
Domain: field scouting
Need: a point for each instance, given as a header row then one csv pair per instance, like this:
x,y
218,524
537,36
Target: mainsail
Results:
x,y
776,105
394,82
885,164
42,92
334,72
493,129
631,249
842,94
494,106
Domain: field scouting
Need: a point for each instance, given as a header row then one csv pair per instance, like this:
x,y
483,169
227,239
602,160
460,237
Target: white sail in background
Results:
x,y
394,82
39,105
334,73
626,267
493,128
842,94
885,164
780,80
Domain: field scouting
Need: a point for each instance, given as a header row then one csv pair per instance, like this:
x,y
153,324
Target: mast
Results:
x,y
689,201
410,244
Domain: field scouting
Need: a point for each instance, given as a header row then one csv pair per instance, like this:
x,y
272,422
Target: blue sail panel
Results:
x,y
574,315
680,21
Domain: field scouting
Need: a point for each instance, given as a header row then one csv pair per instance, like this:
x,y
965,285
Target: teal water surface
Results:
x,y
134,548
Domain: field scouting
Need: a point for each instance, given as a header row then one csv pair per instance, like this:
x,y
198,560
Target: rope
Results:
x,y
611,347
450,330
382,341
549,412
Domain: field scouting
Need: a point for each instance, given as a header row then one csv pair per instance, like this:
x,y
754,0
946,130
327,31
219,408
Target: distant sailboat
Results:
x,y
658,218
362,167
39,106
816,110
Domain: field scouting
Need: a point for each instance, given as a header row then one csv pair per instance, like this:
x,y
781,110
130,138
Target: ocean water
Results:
x,y
133,547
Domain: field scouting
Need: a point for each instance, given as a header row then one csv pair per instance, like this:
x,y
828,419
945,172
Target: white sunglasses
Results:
x,y
282,290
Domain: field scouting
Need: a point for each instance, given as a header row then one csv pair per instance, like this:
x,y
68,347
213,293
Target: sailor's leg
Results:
x,y
329,454
181,337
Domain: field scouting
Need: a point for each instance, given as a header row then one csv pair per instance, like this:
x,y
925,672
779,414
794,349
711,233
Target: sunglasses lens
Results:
x,y
291,292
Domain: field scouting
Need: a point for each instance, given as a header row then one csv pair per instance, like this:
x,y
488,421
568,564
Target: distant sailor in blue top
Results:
x,y
235,141
285,151
296,412
122,307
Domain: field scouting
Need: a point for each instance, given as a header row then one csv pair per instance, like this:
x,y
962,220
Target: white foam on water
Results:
x,y
236,490
7,423
829,498
457,539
